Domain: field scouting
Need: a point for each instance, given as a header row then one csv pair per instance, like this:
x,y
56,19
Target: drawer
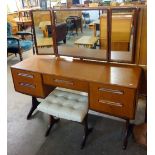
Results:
x,y
114,100
29,83
65,82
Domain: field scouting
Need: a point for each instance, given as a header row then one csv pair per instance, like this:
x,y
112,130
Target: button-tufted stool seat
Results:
x,y
66,105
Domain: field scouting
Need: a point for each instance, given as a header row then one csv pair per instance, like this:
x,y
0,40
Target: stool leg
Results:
x,y
87,131
35,103
52,121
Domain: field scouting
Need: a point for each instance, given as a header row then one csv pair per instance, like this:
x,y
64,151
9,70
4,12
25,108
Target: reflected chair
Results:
x,y
18,45
74,23
86,18
61,31
66,105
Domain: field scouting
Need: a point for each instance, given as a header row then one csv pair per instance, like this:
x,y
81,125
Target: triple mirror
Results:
x,y
106,34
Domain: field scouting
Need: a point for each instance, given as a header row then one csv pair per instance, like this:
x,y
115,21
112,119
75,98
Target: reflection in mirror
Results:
x,y
42,26
83,33
122,32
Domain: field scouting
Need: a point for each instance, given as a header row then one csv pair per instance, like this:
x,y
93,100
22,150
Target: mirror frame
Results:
x,y
109,30
52,19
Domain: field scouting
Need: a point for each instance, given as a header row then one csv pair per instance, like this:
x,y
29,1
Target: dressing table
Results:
x,y
112,87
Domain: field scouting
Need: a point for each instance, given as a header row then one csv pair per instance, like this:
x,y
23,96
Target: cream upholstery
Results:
x,y
65,105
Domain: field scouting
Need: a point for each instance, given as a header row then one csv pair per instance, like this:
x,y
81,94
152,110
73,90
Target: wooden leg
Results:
x,y
35,103
146,112
20,55
64,41
87,131
128,131
52,121
33,50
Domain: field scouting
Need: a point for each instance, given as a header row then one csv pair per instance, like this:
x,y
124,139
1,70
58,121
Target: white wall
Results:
x,y
12,5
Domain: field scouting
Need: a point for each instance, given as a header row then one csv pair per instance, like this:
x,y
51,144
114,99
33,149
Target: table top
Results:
x,y
104,73
22,20
86,40
43,24
28,9
44,41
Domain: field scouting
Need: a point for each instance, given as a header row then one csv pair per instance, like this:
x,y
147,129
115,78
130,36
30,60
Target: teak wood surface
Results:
x,y
112,88
122,75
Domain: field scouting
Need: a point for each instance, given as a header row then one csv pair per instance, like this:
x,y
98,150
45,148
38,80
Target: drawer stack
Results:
x,y
114,100
29,83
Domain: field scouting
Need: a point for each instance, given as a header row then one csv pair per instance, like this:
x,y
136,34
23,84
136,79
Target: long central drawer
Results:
x,y
114,100
65,82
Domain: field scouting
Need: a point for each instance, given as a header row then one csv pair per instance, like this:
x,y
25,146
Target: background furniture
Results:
x,y
95,26
108,92
86,18
141,47
61,31
61,15
66,105
23,23
74,23
120,32
87,41
10,19
16,45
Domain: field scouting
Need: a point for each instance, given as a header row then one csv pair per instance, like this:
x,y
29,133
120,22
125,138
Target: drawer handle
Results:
x,y
111,91
26,75
117,104
27,85
63,81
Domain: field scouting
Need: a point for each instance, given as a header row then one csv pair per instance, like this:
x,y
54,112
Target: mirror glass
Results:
x,y
122,32
42,27
78,33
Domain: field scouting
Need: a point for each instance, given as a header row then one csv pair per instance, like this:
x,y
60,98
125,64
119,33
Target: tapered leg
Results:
x,y
87,131
35,103
52,121
33,50
64,41
20,55
128,131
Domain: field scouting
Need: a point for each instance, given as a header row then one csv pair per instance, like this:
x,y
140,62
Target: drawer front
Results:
x,y
114,100
65,82
27,82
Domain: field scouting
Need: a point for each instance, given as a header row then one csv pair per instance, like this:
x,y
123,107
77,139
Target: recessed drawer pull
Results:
x,y
63,81
111,91
27,85
117,104
26,75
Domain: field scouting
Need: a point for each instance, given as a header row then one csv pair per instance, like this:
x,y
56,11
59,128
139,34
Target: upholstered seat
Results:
x,y
66,105
24,44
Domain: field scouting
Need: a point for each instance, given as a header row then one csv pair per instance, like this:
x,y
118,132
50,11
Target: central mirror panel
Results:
x,y
82,33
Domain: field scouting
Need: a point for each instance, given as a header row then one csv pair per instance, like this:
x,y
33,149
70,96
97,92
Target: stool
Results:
x,y
66,105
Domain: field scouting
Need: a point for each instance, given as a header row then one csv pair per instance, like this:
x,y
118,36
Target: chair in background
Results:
x,y
61,32
86,18
18,45
74,23
66,105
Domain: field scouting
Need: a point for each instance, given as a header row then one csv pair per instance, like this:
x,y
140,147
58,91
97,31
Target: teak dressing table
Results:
x,y
111,88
